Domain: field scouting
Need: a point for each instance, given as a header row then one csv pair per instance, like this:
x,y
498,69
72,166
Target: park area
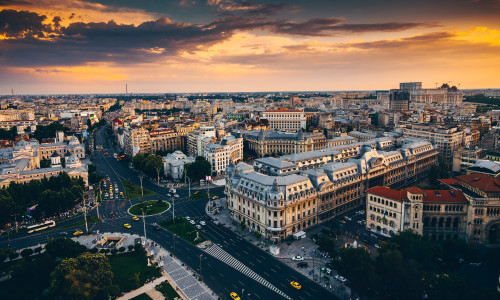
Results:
x,y
131,270
149,208
203,195
133,191
182,228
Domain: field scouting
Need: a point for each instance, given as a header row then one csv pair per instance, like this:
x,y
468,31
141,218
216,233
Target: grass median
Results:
x,y
167,291
149,207
133,191
184,229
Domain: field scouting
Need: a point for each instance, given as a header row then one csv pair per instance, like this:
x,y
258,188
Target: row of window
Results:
x,y
383,201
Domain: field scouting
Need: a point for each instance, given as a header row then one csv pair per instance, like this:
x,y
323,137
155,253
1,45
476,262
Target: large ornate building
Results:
x,y
279,197
21,163
469,210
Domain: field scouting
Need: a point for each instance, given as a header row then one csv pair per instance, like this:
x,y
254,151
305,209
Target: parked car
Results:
x,y
298,258
192,222
347,218
198,227
326,270
203,223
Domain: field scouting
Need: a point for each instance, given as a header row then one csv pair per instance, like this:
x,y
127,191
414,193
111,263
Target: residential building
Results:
x,y
446,139
466,157
166,140
136,140
219,154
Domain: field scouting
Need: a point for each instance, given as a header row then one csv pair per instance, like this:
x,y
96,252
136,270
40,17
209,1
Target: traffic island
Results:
x,y
149,208
182,228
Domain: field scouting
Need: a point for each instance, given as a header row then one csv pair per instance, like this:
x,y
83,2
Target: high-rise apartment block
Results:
x,y
285,119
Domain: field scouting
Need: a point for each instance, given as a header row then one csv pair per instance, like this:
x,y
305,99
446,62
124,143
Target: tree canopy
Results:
x,y
83,277
150,164
48,131
198,169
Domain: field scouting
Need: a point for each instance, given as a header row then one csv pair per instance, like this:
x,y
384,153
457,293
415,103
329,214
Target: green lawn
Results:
x,y
126,266
133,191
183,229
149,207
167,290
142,297
91,219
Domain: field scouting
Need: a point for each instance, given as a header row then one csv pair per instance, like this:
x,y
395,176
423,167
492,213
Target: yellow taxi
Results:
x,y
196,193
215,197
135,218
77,233
127,226
234,296
296,285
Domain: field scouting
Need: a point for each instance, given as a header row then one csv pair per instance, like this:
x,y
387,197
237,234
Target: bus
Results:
x,y
41,226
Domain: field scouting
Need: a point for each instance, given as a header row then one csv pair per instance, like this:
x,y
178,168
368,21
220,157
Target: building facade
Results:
x,y
285,119
280,198
220,154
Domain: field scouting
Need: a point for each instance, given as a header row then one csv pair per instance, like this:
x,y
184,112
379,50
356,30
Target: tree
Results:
x,y
153,165
349,128
82,277
65,248
45,163
138,161
26,252
327,244
357,266
199,169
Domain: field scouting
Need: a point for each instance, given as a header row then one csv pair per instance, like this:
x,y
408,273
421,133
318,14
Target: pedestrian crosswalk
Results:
x,y
225,257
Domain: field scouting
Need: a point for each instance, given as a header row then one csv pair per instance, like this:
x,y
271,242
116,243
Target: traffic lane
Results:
x,y
219,276
273,270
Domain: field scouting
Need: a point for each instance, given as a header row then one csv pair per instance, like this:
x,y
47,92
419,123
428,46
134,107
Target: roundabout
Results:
x,y
150,208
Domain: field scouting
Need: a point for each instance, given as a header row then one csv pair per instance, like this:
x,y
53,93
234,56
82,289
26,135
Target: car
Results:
x,y
377,246
203,223
298,258
215,197
340,278
302,264
192,222
135,218
347,218
188,218
296,285
63,233
326,270
127,225
77,233
234,296
342,221
198,227
216,222
196,193
111,214
105,153
169,195
121,193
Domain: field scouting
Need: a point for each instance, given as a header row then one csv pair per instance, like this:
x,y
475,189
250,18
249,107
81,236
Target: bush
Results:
x,y
93,250
122,249
130,247
114,251
38,249
13,255
138,247
26,252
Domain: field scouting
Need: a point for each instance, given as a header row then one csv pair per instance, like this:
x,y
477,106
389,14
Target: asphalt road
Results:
x,y
220,277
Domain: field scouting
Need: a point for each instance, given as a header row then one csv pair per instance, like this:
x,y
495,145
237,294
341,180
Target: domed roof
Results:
x,y
22,145
72,159
74,141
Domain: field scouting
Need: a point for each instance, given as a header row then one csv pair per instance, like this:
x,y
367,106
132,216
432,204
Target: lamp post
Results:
x,y
201,276
143,222
85,212
141,176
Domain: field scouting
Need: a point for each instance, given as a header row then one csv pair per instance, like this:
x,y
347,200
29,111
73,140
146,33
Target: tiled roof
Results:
x,y
454,196
449,181
483,182
386,192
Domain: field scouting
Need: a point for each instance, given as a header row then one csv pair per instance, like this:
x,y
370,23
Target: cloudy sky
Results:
x,y
98,46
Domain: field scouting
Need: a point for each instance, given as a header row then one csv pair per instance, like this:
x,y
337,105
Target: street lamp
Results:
x,y
141,176
201,276
85,212
143,222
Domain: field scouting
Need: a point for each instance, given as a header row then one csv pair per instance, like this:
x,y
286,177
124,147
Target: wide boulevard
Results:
x,y
220,277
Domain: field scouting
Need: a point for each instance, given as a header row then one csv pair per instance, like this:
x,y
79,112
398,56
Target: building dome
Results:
x,y
276,193
22,145
74,141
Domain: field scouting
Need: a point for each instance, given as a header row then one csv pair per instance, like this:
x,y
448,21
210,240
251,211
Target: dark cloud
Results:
x,y
81,42
18,24
271,9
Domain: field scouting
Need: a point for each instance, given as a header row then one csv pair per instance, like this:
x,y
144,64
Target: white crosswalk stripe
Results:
x,y
225,257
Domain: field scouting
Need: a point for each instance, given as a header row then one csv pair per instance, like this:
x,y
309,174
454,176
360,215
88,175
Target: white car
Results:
x,y
347,218
192,222
298,258
188,218
198,227
169,195
203,223
176,196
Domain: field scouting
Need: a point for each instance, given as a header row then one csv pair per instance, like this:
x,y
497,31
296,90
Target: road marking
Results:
x,y
307,293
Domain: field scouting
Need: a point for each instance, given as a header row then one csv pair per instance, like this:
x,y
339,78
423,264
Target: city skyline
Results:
x,y
77,46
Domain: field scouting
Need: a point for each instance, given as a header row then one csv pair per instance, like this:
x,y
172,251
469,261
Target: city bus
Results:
x,y
41,226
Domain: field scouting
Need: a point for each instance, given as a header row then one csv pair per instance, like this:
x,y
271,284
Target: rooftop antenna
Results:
x,y
436,85
126,89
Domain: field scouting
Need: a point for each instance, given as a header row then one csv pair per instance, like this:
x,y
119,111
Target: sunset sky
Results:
x,y
80,46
